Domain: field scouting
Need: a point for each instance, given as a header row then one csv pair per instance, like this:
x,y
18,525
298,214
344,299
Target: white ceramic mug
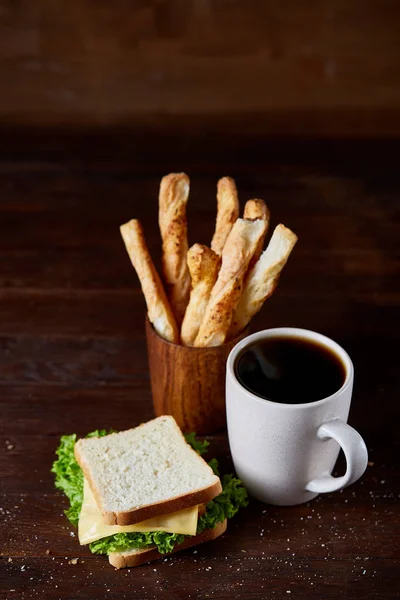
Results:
x,y
285,453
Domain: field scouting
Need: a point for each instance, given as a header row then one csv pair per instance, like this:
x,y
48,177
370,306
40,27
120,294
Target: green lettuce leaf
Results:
x,y
201,447
69,475
213,463
226,505
120,542
69,479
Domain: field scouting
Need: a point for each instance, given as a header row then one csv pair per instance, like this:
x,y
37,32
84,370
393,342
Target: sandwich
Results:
x,y
145,492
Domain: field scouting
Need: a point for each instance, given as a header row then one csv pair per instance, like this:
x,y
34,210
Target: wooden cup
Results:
x,y
189,383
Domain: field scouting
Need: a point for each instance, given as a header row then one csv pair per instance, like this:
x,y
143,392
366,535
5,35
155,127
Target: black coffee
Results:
x,y
290,370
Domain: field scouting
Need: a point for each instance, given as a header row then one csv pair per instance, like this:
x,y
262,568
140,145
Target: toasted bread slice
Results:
x,y
144,472
134,558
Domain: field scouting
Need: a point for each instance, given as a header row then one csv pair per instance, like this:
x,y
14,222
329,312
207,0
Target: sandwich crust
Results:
x,y
149,511
119,560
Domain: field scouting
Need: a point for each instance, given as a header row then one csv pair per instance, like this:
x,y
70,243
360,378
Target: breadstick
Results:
x,y
257,209
263,278
203,264
238,250
158,308
227,212
174,192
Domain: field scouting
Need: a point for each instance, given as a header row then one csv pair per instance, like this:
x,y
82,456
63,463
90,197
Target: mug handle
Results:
x,y
354,449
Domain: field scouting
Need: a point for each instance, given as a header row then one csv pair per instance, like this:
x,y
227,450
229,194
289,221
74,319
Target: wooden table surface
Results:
x,y
73,355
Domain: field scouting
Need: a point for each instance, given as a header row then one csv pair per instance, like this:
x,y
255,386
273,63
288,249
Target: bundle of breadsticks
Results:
x,y
211,293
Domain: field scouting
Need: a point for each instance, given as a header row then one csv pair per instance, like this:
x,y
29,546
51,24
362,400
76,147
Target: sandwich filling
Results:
x,y
91,526
162,532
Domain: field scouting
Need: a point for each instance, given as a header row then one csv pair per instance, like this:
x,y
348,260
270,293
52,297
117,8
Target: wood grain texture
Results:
x,y
73,350
318,68
189,383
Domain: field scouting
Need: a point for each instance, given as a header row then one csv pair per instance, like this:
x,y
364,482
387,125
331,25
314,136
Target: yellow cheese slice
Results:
x,y
92,528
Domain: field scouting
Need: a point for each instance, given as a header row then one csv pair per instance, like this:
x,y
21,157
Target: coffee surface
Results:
x,y
290,370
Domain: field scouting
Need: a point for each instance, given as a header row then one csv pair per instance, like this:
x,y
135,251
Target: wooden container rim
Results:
x,y
233,342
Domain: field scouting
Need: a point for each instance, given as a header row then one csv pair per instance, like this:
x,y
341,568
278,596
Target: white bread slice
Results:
x,y
144,472
134,558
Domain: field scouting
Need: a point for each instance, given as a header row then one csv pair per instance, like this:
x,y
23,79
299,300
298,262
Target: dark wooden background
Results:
x,y
300,102
299,67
